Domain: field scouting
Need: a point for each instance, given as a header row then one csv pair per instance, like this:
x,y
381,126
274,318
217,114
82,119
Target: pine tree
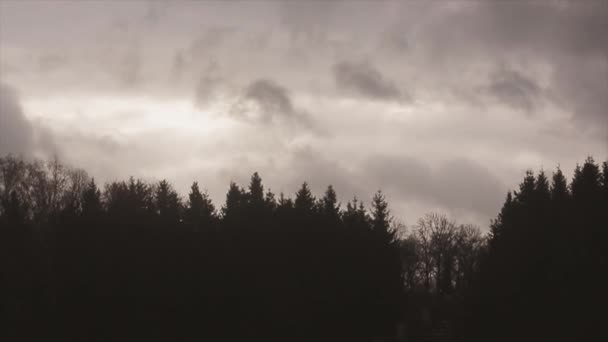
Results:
x,y
380,215
200,211
270,201
586,183
234,202
305,201
167,202
503,221
329,205
527,188
256,191
541,188
559,186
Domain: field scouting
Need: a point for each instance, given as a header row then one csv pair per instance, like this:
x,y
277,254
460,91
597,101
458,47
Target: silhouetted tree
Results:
x,y
168,204
130,262
200,211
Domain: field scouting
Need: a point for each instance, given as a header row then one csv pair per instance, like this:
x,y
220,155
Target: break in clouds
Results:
x,y
434,102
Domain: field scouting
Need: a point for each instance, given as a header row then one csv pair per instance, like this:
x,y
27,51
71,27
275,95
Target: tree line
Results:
x,y
133,260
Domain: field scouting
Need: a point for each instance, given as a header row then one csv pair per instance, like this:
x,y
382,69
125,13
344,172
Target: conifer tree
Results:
x,y
329,205
380,214
559,186
305,201
167,202
200,211
256,191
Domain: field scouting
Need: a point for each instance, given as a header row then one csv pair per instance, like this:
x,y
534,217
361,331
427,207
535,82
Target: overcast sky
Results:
x,y
442,104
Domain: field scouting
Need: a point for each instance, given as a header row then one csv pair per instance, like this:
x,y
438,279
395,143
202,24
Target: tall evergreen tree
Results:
x,y
200,211
380,215
270,201
168,204
503,221
559,186
305,201
541,188
329,206
586,183
256,191
234,199
526,193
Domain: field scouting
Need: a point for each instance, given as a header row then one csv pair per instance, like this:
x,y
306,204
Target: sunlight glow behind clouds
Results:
x,y
127,116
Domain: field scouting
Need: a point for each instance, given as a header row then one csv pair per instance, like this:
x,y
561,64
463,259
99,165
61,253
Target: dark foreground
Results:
x,y
135,262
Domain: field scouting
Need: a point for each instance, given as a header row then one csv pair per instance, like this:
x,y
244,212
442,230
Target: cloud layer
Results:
x,y
441,104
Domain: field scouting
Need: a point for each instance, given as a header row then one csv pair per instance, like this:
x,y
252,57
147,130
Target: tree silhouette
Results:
x,y
133,262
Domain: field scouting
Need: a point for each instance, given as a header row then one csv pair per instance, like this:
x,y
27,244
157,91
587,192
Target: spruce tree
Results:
x,y
256,191
305,201
559,186
329,205
380,215
200,211
167,203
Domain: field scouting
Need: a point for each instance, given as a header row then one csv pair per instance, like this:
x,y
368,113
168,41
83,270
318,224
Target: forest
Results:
x,y
135,261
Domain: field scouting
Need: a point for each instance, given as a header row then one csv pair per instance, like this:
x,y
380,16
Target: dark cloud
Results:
x,y
266,101
515,90
362,79
272,98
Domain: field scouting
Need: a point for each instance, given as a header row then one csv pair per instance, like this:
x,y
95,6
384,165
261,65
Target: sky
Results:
x,y
441,104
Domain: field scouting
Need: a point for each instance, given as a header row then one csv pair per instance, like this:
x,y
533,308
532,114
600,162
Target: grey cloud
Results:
x,y
362,79
52,62
155,12
307,21
312,167
272,98
178,66
319,172
266,101
210,39
565,37
450,55
582,88
16,132
209,85
129,66
206,90
457,184
515,90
